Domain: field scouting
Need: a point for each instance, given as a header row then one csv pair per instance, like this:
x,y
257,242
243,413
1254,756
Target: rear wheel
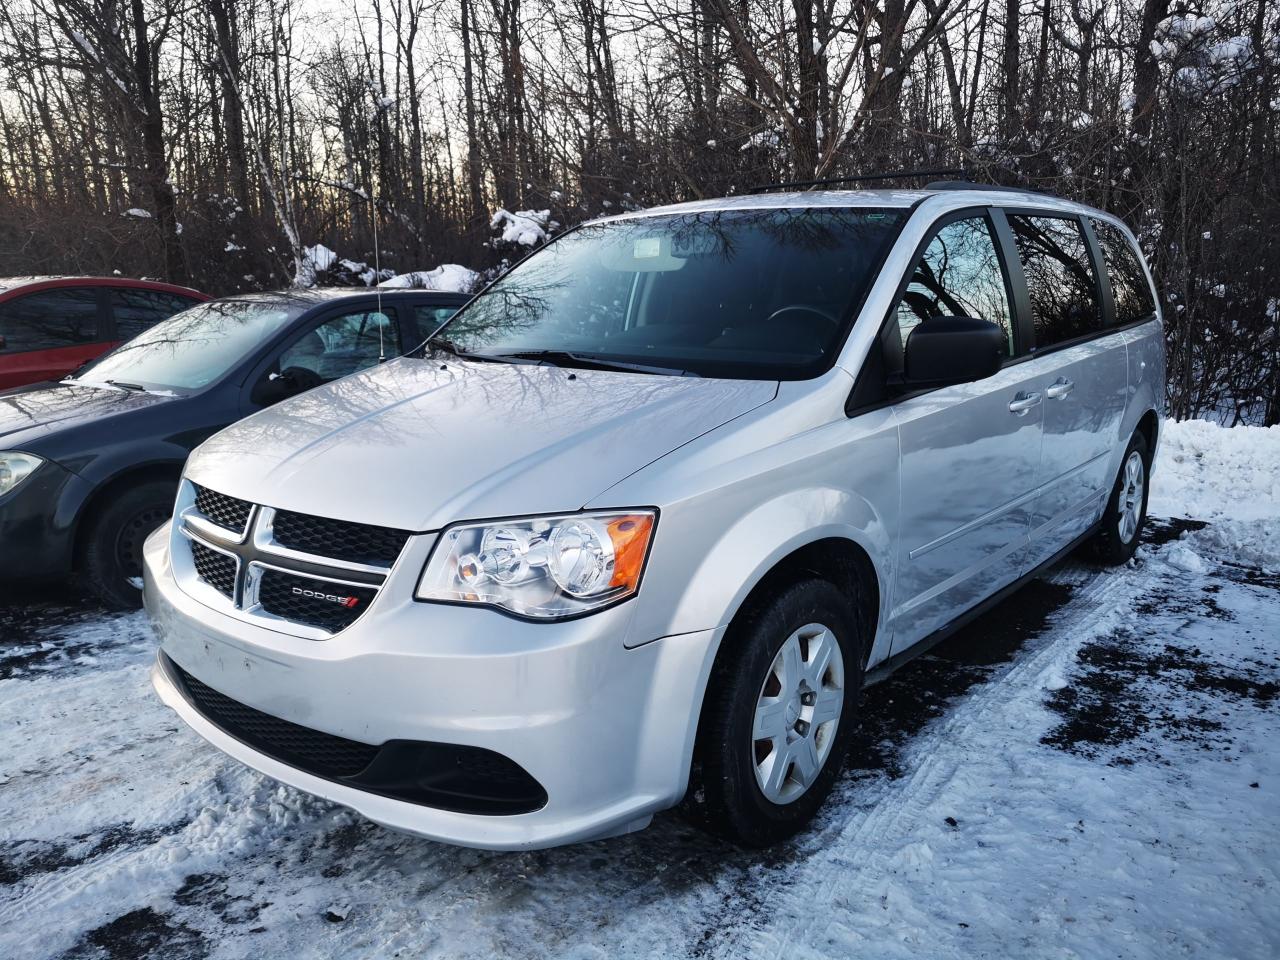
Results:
x,y
111,562
1126,511
779,711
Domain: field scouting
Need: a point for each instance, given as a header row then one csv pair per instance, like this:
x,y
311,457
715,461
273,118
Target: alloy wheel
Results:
x,y
1132,489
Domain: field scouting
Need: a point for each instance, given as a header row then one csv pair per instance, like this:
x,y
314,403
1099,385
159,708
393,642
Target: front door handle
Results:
x,y
1023,402
1059,388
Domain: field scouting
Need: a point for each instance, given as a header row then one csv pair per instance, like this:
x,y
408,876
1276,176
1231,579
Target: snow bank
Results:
x,y
448,277
320,257
528,228
1229,476
1210,472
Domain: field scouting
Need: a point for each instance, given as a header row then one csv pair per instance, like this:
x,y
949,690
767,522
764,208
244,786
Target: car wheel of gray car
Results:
x,y
111,561
1126,512
778,713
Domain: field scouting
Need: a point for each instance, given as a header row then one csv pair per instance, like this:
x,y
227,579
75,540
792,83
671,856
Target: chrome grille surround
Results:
x,y
311,578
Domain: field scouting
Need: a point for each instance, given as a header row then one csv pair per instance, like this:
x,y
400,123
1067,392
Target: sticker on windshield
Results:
x,y
647,248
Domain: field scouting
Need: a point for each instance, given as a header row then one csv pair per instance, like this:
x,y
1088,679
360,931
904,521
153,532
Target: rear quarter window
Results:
x,y
1130,290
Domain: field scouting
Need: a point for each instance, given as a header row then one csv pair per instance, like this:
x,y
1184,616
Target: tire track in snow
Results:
x,y
880,827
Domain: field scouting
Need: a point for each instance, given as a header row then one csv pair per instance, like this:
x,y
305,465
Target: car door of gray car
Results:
x,y
969,452
1081,371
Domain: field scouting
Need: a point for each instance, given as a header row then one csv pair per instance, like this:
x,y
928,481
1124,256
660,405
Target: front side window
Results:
x,y
342,345
49,319
138,310
1060,281
430,318
196,347
749,294
1129,287
958,275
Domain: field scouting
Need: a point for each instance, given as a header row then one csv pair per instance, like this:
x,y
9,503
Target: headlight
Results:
x,y
14,468
542,567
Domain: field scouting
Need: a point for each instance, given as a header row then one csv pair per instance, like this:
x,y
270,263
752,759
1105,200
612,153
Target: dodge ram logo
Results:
x,y
348,602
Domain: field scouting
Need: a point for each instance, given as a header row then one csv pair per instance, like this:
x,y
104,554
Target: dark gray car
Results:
x,y
89,466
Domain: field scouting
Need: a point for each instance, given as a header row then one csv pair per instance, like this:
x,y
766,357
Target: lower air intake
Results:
x,y
446,776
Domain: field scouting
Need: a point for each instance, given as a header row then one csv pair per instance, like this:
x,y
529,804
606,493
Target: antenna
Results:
x,y
377,265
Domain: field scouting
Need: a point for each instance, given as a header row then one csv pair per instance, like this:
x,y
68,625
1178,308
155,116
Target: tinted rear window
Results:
x,y
1060,281
49,319
138,310
1129,287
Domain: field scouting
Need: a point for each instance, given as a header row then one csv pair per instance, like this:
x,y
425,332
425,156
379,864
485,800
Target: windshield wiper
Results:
x,y
448,346
126,385
566,358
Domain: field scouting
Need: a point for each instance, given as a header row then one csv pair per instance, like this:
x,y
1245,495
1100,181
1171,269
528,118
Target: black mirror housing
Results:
x,y
948,350
273,388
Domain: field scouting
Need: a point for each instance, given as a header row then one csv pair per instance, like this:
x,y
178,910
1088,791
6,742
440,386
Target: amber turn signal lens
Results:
x,y
630,536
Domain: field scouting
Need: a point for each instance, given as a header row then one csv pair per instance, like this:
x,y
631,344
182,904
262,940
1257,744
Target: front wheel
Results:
x,y
1126,511
779,711
111,561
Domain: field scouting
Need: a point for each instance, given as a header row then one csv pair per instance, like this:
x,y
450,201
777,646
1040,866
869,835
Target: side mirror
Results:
x,y
273,388
282,385
947,350
3,343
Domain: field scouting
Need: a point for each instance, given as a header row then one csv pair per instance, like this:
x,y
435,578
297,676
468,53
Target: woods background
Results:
x,y
212,142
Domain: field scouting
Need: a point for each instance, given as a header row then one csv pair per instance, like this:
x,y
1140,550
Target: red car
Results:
x,y
49,326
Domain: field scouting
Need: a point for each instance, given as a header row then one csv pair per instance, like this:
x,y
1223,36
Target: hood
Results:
x,y
28,414
418,444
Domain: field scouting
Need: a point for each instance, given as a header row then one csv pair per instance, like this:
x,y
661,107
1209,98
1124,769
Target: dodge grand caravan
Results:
x,y
643,520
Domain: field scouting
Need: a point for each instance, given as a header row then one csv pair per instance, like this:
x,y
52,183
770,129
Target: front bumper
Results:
x,y
605,730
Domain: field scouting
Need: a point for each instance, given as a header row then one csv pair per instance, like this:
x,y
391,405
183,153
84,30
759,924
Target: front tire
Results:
x,y
1126,512
780,708
111,561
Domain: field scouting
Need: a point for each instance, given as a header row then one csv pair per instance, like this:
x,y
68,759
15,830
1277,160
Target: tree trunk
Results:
x,y
146,76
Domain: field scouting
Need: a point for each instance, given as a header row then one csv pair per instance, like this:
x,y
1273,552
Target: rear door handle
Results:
x,y
1059,388
1023,402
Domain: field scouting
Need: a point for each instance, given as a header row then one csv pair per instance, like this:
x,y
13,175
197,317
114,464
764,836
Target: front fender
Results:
x,y
719,581
739,517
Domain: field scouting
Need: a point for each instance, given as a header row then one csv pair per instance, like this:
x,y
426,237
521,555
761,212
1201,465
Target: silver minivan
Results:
x,y
641,523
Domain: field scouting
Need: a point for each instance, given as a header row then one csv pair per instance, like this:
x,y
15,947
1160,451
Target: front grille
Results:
x,y
339,539
320,753
227,512
215,568
308,600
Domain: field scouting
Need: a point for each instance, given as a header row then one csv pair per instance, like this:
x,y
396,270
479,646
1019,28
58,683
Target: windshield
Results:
x,y
192,349
747,294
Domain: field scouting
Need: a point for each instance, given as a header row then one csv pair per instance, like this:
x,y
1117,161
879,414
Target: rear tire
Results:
x,y
784,690
111,561
1126,512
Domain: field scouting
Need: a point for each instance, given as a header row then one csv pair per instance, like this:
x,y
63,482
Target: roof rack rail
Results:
x,y
889,175
970,185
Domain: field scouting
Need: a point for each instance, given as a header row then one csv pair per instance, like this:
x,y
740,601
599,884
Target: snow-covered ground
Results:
x,y
1090,770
